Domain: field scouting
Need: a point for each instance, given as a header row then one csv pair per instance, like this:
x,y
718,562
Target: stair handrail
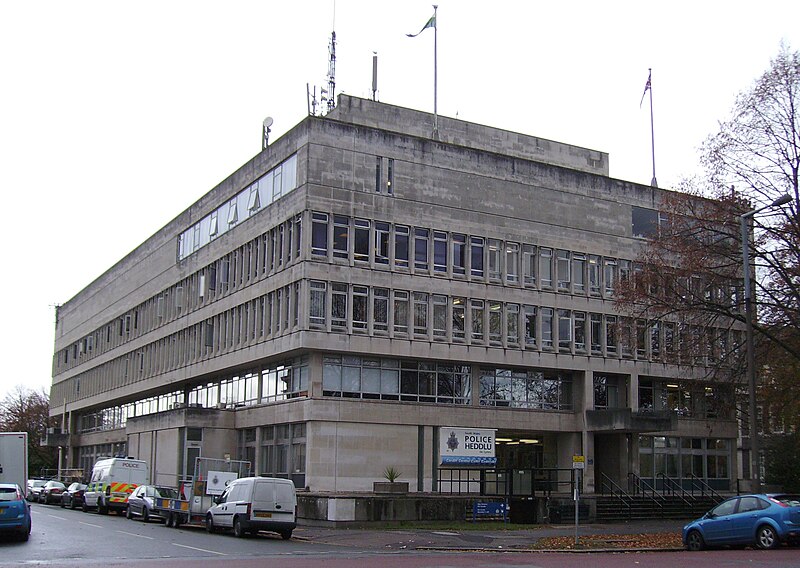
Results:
x,y
644,487
616,491
673,488
704,487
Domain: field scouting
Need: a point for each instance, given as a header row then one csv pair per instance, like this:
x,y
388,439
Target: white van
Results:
x,y
112,481
251,504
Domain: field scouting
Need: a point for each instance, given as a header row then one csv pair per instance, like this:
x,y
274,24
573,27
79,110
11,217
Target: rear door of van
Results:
x,y
285,501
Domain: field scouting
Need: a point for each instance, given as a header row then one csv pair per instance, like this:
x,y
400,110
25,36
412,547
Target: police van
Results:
x,y
112,482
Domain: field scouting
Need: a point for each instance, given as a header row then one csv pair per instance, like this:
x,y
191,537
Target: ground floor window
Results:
x,y
684,459
283,452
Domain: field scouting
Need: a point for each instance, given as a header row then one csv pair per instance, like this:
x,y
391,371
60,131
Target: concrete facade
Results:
x,y
402,284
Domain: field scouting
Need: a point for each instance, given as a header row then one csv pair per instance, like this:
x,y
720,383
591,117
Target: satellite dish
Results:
x,y
268,122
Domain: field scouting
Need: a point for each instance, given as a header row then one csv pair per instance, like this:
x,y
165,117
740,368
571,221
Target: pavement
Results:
x,y
488,536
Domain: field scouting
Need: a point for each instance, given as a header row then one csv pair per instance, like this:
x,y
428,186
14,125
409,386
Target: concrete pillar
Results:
x,y
633,391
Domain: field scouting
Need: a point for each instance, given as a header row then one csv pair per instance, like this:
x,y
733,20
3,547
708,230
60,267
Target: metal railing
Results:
x,y
703,487
674,489
638,486
615,491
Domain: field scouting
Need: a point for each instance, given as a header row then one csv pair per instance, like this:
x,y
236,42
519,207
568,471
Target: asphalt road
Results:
x,y
64,538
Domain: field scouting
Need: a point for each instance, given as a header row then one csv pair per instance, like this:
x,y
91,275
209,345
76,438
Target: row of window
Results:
x,y
422,250
283,450
682,458
336,306
253,261
270,187
275,382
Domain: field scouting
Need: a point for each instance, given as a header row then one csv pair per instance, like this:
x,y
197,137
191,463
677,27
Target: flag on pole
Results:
x,y
429,24
646,88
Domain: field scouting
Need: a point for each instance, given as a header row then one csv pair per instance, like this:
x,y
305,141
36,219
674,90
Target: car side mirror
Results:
x,y
710,515
217,499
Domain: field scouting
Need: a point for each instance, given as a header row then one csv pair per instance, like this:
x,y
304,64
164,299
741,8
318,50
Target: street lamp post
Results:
x,y
751,358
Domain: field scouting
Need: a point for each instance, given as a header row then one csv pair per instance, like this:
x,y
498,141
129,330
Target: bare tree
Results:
x,y
690,271
25,410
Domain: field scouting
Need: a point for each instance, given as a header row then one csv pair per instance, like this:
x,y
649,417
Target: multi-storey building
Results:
x,y
360,287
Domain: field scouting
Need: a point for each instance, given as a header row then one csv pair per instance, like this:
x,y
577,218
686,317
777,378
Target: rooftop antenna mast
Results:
x,y
332,72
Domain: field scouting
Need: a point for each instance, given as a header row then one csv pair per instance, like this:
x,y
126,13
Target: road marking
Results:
x,y
57,517
200,549
139,535
91,525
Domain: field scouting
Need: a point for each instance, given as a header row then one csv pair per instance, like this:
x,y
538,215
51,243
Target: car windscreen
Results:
x,y
8,494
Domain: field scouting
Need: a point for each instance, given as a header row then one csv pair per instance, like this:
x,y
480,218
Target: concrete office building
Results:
x,y
360,288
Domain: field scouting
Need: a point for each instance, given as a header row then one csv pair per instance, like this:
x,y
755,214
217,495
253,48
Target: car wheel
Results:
x,y
72,504
170,520
210,524
694,541
128,512
238,530
101,508
145,514
766,537
286,535
62,504
84,508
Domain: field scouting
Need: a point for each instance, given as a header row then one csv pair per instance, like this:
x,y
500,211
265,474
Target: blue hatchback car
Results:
x,y
15,512
762,520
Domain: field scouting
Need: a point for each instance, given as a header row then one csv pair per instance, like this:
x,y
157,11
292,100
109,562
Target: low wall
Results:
x,y
366,508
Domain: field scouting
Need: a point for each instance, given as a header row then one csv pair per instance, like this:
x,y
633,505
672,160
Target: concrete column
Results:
x,y
633,391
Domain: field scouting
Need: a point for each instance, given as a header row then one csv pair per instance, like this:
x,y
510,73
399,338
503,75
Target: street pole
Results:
x,y
755,470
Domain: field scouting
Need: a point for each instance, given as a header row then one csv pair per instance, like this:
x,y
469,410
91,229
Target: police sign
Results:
x,y
466,447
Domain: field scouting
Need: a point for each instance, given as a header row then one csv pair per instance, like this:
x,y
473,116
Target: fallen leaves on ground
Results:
x,y
621,541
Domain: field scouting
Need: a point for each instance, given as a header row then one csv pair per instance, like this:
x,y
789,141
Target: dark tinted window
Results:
x,y
725,508
644,222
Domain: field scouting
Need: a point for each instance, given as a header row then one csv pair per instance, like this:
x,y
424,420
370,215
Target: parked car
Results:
x,y
764,520
15,513
34,488
51,492
251,504
140,502
72,497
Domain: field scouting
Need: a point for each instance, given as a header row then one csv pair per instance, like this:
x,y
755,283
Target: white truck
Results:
x,y
14,459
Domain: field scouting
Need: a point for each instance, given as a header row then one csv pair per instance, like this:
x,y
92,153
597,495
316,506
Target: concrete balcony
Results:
x,y
624,420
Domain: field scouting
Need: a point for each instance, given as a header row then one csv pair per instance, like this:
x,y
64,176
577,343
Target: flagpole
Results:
x,y
653,182
436,74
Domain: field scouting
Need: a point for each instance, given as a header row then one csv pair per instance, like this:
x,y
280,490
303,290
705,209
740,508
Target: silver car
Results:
x,y
141,501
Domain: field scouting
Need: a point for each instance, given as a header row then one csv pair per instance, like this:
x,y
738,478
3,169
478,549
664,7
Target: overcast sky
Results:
x,y
115,116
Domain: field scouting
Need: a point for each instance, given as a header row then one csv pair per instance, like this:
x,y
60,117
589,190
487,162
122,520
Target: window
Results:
x,y
512,262
547,328
529,265
644,222
361,240
594,274
564,330
380,309
459,317
400,312
494,247
420,313
563,270
477,320
529,313
253,202
390,177
421,249
317,303
381,242
546,267
378,173
611,335
579,273
512,324
341,229
338,305
439,251
459,253
495,322
360,303
609,276
233,214
476,256
439,316
319,234
596,333
579,319
401,235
